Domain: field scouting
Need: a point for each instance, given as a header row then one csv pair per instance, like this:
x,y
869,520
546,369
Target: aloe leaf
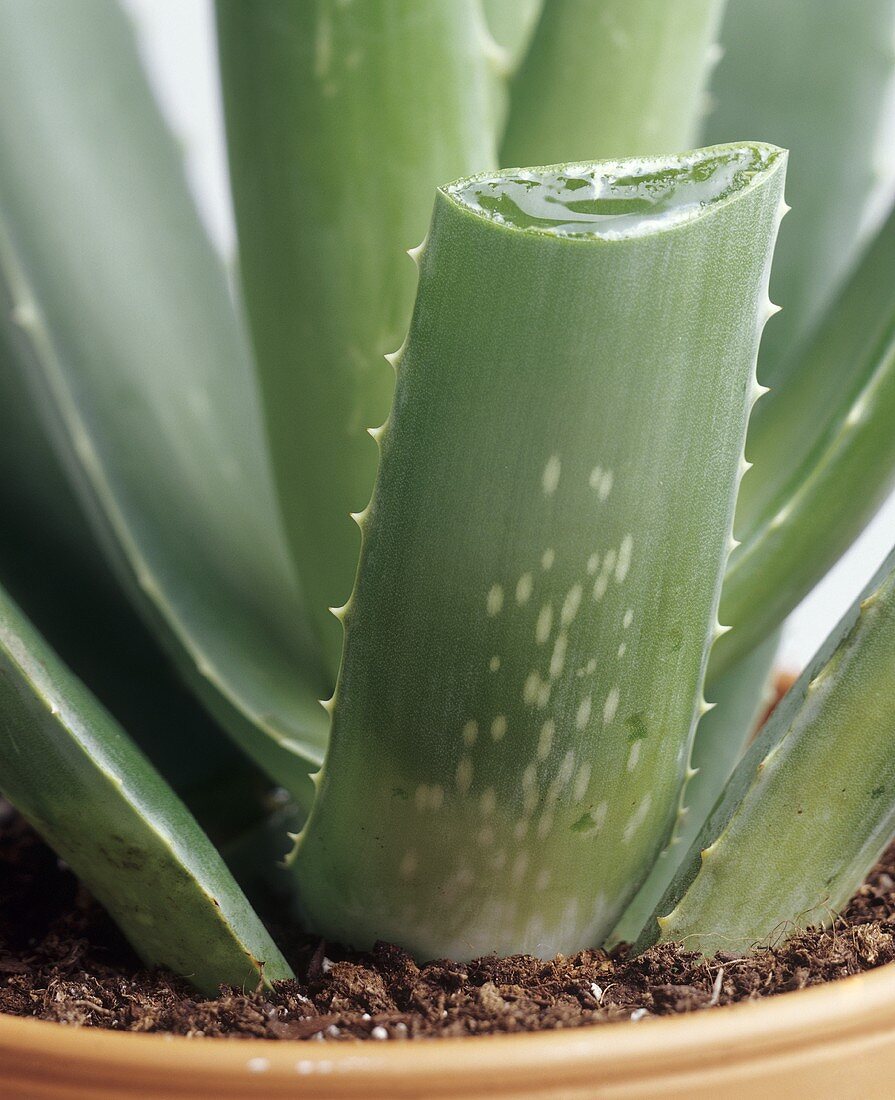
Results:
x,y
609,78
334,156
512,24
812,805
52,567
722,737
813,78
524,651
133,351
818,487
72,772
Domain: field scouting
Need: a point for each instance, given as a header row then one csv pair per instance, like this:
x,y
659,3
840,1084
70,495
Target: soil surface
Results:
x,y
62,959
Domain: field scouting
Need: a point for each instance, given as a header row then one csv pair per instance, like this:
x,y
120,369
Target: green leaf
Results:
x,y
512,24
611,78
73,773
52,566
133,351
814,489
341,121
722,737
812,77
524,651
812,805
35,496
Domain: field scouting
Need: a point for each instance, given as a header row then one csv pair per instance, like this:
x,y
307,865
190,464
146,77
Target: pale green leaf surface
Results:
x,y
71,771
542,556
341,121
813,77
512,23
611,78
811,806
135,355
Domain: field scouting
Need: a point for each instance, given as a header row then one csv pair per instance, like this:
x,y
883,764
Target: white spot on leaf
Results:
x,y
623,564
495,600
570,605
582,715
550,477
582,781
544,624
610,706
464,774
558,657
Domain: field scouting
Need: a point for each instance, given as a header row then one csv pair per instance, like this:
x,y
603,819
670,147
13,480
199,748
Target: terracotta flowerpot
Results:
x,y
835,1041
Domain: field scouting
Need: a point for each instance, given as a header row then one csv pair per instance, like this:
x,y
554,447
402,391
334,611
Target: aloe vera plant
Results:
x,y
539,427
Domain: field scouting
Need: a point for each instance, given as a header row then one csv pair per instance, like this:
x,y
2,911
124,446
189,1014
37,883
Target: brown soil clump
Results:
x,y
62,959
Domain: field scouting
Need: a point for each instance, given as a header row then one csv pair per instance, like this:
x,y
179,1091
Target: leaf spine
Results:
x,y
416,253
707,853
393,358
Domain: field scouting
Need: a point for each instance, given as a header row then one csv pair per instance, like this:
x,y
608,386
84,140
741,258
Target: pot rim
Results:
x,y
856,1011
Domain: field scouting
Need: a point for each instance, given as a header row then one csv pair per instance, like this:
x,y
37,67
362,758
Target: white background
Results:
x,y
177,40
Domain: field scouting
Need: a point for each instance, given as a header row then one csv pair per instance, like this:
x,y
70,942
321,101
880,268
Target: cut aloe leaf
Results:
x,y
334,157
813,78
819,487
71,771
812,805
525,648
611,78
133,351
722,736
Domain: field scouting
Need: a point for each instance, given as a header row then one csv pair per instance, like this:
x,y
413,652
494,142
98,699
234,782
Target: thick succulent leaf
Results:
x,y
611,78
124,323
52,566
341,119
512,23
722,737
811,806
812,77
813,490
73,773
543,553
